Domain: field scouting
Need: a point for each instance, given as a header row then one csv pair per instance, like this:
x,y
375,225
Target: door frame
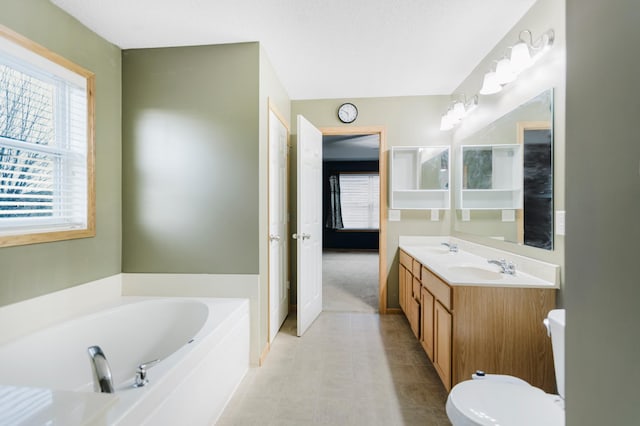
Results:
x,y
382,171
271,107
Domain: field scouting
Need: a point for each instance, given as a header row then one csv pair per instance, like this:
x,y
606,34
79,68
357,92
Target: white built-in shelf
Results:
x,y
419,177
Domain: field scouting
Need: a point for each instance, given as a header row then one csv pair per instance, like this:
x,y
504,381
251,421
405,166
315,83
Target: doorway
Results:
x,y
278,202
354,219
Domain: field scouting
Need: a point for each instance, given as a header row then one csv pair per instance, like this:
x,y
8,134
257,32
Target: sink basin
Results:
x,y
435,250
471,272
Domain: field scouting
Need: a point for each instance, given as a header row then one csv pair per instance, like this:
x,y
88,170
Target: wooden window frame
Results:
x,y
90,229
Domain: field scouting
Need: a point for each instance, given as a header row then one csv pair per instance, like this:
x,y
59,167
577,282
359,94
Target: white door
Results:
x,y
278,203
309,229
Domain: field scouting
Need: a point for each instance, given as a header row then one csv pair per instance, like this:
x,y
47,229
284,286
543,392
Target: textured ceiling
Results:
x,y
323,48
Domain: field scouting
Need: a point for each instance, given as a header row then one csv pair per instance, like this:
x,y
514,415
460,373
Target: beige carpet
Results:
x,y
350,281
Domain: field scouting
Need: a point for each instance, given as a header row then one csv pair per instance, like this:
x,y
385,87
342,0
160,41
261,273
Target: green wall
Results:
x,y
271,92
34,270
191,159
603,205
409,121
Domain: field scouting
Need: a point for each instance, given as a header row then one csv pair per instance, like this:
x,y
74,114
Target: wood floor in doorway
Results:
x,y
350,281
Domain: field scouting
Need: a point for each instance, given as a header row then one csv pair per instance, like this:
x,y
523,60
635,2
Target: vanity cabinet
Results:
x,y
427,304
413,313
467,328
402,287
437,324
442,338
409,290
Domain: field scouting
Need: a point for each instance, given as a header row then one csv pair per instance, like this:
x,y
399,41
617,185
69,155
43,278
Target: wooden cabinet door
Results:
x,y
443,327
409,287
426,306
402,287
414,316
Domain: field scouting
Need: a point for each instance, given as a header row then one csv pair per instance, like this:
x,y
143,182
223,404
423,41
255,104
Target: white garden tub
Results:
x,y
202,344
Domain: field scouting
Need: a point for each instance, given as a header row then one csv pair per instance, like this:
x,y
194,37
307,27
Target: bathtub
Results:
x,y
202,344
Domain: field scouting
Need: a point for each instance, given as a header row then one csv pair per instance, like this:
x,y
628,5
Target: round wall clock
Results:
x,y
347,113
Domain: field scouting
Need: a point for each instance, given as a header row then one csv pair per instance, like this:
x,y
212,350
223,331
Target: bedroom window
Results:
x,y
360,200
46,145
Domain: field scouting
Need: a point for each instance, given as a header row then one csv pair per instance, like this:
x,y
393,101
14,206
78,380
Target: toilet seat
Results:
x,y
501,403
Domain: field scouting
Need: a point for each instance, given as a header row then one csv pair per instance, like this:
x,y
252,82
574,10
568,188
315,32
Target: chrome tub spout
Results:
x,y
102,381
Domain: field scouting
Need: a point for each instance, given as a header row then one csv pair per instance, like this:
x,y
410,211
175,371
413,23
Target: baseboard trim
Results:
x,y
393,311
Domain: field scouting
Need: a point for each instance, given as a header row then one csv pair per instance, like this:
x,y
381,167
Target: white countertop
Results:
x,y
470,266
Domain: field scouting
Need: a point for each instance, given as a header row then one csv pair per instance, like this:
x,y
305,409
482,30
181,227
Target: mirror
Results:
x,y
434,168
505,176
419,177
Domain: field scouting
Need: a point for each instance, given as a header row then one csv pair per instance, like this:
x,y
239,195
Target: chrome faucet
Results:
x,y
505,267
102,381
453,247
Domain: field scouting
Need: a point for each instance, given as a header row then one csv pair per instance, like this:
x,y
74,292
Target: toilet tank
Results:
x,y
556,324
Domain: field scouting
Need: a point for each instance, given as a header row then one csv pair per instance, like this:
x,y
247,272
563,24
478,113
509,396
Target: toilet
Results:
x,y
506,400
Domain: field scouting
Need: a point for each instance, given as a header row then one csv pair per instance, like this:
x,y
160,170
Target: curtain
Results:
x,y
334,218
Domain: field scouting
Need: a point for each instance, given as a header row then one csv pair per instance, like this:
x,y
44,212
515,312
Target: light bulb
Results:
x,y
520,57
445,123
457,112
504,72
490,84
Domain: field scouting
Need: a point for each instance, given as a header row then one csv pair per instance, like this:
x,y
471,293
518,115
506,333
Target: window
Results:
x,y
46,145
360,200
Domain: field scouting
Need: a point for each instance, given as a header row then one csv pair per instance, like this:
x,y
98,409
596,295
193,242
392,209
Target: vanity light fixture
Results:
x,y
523,54
457,111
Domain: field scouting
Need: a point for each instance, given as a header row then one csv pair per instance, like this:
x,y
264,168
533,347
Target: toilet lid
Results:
x,y
495,403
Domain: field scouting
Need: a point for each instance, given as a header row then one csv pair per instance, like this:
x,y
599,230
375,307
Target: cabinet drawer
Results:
x,y
417,266
437,287
406,260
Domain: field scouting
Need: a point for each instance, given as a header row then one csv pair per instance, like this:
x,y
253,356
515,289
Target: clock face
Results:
x,y
347,113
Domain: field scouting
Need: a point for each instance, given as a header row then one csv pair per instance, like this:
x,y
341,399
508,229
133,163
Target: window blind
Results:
x,y
43,149
360,200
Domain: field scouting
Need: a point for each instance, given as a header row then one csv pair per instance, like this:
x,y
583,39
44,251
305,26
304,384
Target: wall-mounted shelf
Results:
x,y
491,177
420,177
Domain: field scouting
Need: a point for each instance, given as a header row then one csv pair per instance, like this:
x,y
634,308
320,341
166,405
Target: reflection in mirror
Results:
x,y
477,167
536,138
491,177
529,128
434,168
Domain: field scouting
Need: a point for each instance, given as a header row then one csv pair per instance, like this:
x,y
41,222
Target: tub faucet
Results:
x,y
453,247
141,373
508,268
102,381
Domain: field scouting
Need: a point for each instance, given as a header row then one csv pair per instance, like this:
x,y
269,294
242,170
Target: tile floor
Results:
x,y
348,369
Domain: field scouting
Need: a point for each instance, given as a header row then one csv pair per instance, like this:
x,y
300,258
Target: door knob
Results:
x,y
302,236
274,237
